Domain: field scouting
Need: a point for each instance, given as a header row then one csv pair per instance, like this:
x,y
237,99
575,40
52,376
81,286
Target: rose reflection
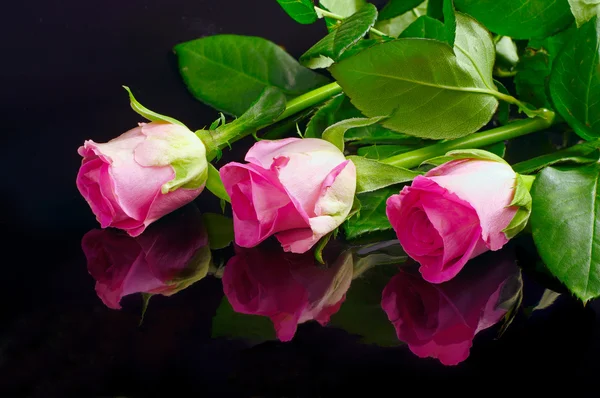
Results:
x,y
169,256
441,320
288,288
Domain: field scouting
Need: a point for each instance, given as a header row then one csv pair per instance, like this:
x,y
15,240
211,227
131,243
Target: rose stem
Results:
x,y
477,140
309,99
227,136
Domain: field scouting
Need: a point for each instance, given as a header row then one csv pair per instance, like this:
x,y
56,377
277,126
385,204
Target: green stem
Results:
x,y
309,99
516,129
337,17
230,133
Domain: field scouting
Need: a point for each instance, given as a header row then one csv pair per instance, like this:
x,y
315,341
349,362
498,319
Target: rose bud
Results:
x,y
168,257
296,189
138,177
288,288
456,212
441,320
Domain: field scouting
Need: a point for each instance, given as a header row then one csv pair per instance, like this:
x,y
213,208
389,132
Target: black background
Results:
x,y
63,64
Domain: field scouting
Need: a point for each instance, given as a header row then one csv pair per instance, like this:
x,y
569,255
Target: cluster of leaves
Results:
x,y
416,73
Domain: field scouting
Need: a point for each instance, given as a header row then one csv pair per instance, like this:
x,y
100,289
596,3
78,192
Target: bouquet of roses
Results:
x,y
400,121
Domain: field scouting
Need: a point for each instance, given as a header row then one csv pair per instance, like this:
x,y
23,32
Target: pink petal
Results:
x,y
488,187
449,355
336,195
263,152
136,186
297,240
260,283
311,161
88,183
285,325
164,204
261,207
458,225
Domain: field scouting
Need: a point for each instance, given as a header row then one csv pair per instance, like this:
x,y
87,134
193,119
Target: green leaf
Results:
x,y
338,109
320,246
215,185
145,302
263,112
361,314
386,252
479,154
532,73
519,19
498,149
450,23
548,298
372,175
228,72
343,8
219,229
435,9
493,152
231,324
335,133
521,198
147,113
379,152
372,216
587,152
575,81
506,53
325,116
533,69
196,270
427,28
302,11
395,26
358,47
566,227
397,7
220,121
435,94
377,134
532,77
584,10
350,31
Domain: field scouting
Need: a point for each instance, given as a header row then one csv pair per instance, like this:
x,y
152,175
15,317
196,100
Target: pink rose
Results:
x,y
296,189
288,288
171,255
454,213
138,177
441,320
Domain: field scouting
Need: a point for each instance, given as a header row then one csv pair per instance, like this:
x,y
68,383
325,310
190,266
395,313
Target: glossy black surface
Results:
x,y
63,66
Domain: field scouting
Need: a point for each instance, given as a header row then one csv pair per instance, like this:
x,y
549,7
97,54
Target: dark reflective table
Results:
x,y
227,321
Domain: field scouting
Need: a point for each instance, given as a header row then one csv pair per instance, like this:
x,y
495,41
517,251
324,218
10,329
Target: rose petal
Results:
x,y
261,207
488,187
